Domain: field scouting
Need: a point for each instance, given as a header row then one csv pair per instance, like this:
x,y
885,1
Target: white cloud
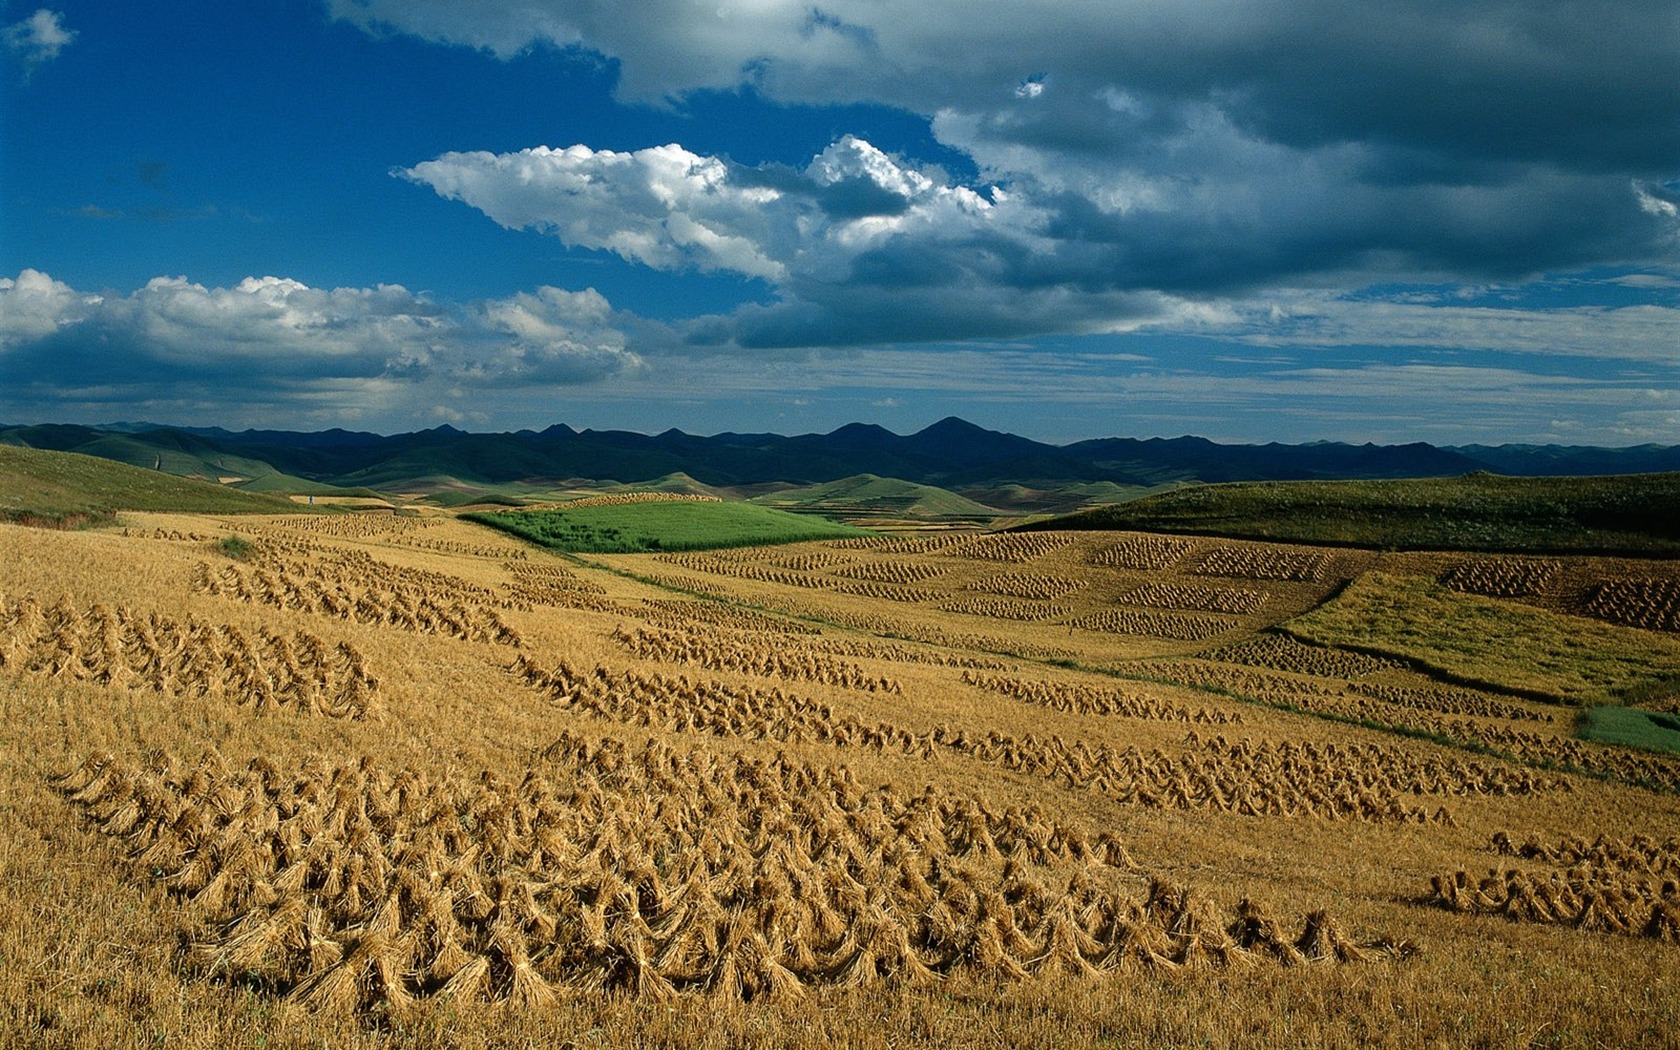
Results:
x,y
668,208
38,39
861,247
558,336
664,207
1651,204
273,336
33,306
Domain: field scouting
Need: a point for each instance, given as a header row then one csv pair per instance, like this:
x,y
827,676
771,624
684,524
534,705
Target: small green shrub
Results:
x,y
236,547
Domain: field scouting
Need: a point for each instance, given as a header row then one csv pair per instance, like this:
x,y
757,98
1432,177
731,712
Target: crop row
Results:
x,y
1559,898
1251,683
1187,596
1653,604
811,561
125,649
766,657
552,585
1607,886
1144,553
1040,586
1661,772
1091,700
875,649
1414,708
891,571
1379,768
461,548
1350,784
1633,767
1282,653
1015,547
687,583
990,608
679,614
1451,700
1502,577
622,499
413,607
748,570
925,633
352,526
1640,855
172,535
1407,709
1264,563
1153,624
656,874
900,544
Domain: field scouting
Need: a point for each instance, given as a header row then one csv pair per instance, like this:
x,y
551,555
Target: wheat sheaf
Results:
x,y
647,871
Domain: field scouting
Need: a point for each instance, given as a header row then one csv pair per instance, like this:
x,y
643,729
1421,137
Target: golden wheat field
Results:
x,y
404,781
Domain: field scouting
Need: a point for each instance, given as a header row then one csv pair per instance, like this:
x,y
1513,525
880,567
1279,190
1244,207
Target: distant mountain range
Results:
x,y
993,467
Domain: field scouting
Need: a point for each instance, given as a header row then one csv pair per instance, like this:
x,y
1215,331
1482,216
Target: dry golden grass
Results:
x,y
587,810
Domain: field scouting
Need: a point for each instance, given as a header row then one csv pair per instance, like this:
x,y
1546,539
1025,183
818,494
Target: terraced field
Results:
x,y
392,781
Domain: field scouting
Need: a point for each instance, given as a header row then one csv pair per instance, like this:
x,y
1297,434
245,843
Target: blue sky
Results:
x,y
1252,220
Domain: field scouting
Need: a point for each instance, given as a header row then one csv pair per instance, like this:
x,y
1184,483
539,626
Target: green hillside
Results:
x,y
1634,514
662,526
67,488
185,461
871,496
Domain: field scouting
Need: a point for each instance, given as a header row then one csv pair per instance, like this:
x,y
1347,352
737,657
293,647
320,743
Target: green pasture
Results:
x,y
685,525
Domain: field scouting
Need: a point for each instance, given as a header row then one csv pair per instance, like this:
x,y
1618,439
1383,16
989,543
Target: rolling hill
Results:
x,y
1626,514
66,488
869,496
988,468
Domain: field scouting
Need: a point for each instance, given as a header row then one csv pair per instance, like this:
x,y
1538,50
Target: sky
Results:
x,y
1249,220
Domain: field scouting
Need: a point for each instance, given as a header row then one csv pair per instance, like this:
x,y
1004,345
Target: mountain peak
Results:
x,y
860,436
952,426
859,428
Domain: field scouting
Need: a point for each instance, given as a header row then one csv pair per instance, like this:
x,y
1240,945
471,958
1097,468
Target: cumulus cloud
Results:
x,y
664,206
861,247
273,335
854,226
1191,150
554,336
38,39
34,306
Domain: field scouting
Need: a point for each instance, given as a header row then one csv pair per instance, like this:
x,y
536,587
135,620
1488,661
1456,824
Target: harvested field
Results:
x,y
394,781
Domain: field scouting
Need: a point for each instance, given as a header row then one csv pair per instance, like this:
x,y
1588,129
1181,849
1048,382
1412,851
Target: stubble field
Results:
x,y
394,781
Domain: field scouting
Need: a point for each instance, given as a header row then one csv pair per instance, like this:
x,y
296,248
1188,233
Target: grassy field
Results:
x,y
868,496
400,780
1632,514
679,525
66,488
1630,727
1568,658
